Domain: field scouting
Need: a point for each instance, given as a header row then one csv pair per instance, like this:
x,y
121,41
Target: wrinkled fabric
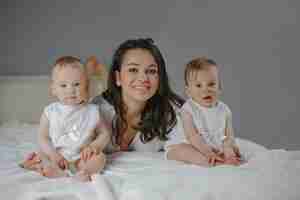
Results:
x,y
268,175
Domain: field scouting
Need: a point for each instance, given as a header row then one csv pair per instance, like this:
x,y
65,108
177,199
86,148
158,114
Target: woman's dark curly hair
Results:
x,y
158,117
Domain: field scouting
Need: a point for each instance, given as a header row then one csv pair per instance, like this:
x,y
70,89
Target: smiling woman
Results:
x,y
138,76
138,105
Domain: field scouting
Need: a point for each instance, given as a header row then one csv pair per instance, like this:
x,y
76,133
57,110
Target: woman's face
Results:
x,y
138,76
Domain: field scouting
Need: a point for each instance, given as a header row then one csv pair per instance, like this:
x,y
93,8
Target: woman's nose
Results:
x,y
143,76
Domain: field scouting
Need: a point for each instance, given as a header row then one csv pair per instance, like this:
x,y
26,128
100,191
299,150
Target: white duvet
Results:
x,y
268,175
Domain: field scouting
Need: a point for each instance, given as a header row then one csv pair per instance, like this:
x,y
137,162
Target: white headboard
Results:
x,y
24,97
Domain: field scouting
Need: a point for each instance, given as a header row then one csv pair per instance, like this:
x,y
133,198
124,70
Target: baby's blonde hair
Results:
x,y
74,62
197,64
67,61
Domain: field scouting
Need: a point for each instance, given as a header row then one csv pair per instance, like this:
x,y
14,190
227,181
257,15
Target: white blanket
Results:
x,y
269,174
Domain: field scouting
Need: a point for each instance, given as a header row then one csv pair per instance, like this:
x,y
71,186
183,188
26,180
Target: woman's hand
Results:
x,y
58,159
214,157
233,161
87,152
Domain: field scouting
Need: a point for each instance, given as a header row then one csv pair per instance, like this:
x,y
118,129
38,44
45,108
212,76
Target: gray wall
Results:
x,y
255,42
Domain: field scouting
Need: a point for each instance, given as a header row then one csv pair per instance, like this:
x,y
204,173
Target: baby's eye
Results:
x,y
63,85
151,71
198,85
133,70
212,84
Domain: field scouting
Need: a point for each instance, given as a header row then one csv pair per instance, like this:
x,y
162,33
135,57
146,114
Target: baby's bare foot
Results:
x,y
32,162
53,172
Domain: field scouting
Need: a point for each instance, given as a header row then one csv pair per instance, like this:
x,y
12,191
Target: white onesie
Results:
x,y
70,127
210,122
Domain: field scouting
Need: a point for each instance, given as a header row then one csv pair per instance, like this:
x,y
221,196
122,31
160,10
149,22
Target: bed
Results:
x,y
268,174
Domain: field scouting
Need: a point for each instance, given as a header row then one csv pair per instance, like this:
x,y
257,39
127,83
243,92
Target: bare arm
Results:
x,y
193,136
43,137
46,145
98,144
230,148
103,137
229,133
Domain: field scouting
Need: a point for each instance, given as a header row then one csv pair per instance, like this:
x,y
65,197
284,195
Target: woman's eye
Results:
x,y
151,71
133,70
63,85
198,85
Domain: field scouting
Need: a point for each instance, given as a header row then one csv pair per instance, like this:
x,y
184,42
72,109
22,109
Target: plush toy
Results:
x,y
97,73
95,68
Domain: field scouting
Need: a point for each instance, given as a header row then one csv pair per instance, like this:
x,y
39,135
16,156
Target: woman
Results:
x,y
139,104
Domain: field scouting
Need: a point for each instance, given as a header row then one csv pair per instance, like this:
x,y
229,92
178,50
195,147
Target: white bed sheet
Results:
x,y
269,174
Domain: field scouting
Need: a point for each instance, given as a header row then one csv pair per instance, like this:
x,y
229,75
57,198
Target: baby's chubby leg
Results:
x,y
39,162
49,168
32,162
186,153
52,171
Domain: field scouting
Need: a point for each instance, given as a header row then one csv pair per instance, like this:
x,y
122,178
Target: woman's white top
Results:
x,y
71,127
209,122
107,111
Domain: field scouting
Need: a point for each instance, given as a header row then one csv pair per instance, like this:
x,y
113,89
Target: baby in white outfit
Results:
x,y
71,133
207,136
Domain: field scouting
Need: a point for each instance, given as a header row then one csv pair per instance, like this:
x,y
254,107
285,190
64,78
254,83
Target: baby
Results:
x,y
71,134
208,138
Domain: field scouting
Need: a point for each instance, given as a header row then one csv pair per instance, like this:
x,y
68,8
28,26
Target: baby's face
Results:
x,y
203,86
69,85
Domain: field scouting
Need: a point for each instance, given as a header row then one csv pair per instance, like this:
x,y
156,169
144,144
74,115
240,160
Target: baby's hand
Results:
x,y
231,151
58,159
87,152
